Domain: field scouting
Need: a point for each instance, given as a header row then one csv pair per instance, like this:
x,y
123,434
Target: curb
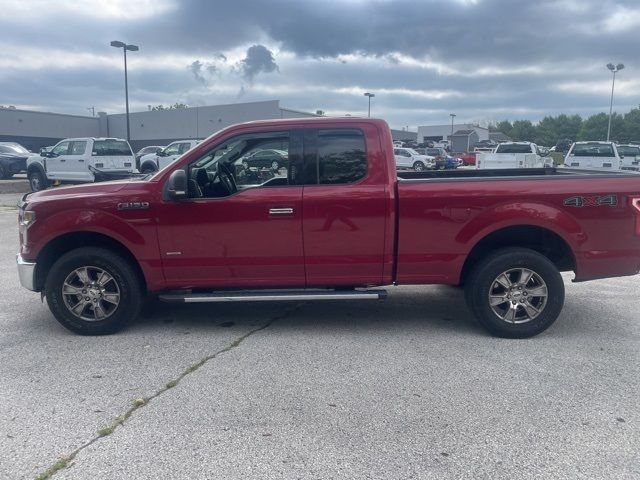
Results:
x,y
14,186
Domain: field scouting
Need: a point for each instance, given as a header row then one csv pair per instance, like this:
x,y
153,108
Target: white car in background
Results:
x,y
77,160
157,161
600,155
629,156
409,158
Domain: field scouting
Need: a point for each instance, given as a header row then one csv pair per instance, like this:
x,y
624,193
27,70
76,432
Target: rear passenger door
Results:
x,y
345,207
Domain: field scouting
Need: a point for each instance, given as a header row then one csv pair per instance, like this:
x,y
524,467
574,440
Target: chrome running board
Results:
x,y
273,296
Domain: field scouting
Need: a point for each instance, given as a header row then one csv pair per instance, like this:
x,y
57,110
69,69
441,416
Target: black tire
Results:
x,y
37,180
483,281
4,172
419,166
122,275
147,168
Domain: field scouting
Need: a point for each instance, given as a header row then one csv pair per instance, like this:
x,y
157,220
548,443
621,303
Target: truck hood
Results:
x,y
84,190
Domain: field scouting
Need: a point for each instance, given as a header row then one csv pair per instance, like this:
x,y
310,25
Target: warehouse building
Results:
x,y
158,127
438,133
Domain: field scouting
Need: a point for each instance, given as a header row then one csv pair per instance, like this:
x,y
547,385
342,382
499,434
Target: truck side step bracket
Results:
x,y
273,296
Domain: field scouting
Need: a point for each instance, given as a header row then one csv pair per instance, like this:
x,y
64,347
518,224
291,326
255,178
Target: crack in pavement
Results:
x,y
65,461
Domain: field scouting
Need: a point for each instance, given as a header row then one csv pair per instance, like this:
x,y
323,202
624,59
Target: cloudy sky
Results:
x,y
481,59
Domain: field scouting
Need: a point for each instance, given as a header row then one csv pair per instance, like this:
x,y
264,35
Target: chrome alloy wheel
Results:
x,y
91,293
518,295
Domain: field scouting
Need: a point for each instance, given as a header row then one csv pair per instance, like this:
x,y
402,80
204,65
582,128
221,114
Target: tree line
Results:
x,y
549,130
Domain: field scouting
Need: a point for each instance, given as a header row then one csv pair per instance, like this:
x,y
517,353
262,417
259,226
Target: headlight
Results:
x,y
27,217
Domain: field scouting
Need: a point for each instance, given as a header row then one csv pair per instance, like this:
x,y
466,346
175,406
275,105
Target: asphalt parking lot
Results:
x,y
406,388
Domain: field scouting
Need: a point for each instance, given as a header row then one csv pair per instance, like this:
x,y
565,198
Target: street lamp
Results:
x,y
132,48
614,69
452,115
369,95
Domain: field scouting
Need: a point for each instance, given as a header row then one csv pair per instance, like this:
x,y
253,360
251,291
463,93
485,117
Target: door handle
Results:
x,y
281,211
81,160
62,160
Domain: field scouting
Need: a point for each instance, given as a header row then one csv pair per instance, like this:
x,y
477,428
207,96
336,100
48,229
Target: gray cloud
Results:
x,y
381,46
259,59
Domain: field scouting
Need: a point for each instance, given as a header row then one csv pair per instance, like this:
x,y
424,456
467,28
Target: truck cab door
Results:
x,y
245,233
56,161
76,164
347,207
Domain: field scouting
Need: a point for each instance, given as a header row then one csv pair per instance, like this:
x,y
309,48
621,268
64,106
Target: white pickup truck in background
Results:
x,y
74,160
600,155
629,157
513,155
157,161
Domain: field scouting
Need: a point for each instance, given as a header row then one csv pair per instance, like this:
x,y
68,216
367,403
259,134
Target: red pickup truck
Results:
x,y
333,221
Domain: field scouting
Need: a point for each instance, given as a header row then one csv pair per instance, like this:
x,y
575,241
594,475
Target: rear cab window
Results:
x,y
110,148
341,156
513,148
593,150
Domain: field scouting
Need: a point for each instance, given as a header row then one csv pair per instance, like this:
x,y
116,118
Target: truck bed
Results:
x,y
443,214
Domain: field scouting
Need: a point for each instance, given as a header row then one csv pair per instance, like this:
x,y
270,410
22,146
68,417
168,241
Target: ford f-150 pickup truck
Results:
x,y
335,222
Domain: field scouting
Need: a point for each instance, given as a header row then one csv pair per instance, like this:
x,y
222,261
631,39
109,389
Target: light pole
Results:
x,y
452,115
132,48
614,69
369,95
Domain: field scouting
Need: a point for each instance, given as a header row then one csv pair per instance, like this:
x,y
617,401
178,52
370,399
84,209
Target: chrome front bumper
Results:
x,y
27,273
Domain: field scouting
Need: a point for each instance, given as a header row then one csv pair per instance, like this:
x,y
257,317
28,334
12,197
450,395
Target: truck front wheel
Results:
x,y
93,291
37,180
148,168
515,293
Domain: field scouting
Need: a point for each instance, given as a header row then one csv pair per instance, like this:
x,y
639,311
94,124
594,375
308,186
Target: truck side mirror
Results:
x,y
177,185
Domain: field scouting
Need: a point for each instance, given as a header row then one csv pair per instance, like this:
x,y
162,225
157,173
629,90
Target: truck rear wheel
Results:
x,y
515,293
93,291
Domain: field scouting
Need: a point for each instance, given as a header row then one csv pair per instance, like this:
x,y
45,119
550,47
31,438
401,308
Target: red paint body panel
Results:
x,y
374,232
440,222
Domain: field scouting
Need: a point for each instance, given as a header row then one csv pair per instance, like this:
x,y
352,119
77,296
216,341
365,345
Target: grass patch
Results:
x,y
558,158
63,462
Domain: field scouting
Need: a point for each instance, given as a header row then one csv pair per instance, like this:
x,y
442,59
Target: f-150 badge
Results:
x,y
580,201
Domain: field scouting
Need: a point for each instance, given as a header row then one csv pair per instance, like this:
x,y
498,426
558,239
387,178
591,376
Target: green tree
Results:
x,y
505,127
523,131
170,107
595,127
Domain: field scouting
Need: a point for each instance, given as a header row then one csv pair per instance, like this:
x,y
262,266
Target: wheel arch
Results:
x,y
540,239
66,242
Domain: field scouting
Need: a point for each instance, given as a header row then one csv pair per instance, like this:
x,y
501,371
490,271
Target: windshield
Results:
x,y
411,151
104,148
628,150
593,150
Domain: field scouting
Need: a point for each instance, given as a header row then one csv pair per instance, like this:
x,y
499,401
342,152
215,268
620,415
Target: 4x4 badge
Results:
x,y
580,201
